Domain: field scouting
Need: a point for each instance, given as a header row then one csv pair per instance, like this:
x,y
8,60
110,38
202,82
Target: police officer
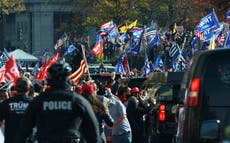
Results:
x,y
12,109
58,113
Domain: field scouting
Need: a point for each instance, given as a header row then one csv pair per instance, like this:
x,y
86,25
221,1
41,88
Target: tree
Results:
x,y
7,6
188,13
11,5
123,11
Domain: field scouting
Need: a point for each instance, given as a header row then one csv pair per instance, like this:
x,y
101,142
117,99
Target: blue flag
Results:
x,y
113,34
119,66
124,36
135,43
206,26
155,42
6,54
70,49
227,41
35,69
150,34
228,15
159,64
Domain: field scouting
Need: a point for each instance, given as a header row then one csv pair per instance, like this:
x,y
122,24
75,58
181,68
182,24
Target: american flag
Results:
x,y
61,41
107,25
75,77
4,58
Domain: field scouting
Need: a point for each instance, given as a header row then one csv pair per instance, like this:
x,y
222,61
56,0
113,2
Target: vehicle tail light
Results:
x,y
191,98
161,113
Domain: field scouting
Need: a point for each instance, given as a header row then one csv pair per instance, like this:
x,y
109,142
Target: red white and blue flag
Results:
x,y
61,41
107,25
99,46
206,26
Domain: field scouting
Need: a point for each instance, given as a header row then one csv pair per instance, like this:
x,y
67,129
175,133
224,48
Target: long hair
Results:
x,y
97,105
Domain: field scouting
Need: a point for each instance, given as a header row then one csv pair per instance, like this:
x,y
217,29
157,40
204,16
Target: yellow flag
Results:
x,y
131,25
174,29
123,29
212,43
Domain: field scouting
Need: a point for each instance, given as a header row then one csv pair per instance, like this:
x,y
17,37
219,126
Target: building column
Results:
x,y
42,32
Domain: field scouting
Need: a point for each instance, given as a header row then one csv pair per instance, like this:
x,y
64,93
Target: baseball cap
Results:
x,y
87,89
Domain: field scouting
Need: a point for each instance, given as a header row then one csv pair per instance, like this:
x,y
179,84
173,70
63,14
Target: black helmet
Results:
x,y
59,71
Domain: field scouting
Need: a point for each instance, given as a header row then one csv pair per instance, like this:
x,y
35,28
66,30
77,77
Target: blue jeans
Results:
x,y
123,138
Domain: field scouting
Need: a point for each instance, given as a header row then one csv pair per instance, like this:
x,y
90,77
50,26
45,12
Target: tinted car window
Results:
x,y
217,80
165,93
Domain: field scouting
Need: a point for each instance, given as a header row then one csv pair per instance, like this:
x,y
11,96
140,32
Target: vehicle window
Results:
x,y
165,93
96,69
217,80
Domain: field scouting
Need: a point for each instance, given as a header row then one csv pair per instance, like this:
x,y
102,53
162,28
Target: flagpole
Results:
x,y
83,52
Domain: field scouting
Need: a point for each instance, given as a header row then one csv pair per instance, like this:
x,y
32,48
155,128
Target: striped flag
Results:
x,y
149,34
4,58
75,77
181,62
174,51
81,68
107,25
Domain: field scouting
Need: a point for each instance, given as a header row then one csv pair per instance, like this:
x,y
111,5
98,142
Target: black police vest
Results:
x,y
58,121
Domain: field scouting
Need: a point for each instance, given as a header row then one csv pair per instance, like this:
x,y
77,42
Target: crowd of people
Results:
x,y
57,111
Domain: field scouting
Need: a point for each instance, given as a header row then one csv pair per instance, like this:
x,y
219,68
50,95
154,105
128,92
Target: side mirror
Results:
x,y
209,130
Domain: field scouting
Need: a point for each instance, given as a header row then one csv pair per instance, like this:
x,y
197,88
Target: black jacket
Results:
x,y
59,115
12,111
135,112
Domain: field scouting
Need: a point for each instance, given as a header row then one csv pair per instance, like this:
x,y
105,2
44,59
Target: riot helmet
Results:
x,y
59,71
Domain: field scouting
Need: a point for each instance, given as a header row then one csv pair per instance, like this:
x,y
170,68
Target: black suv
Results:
x,y
206,90
167,88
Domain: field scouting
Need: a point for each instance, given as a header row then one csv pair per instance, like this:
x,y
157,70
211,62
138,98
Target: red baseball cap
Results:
x,y
87,89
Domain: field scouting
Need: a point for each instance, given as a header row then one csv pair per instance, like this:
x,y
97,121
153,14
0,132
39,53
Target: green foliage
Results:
x,y
15,5
96,13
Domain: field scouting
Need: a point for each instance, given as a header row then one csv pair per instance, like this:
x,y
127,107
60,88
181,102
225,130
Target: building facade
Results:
x,y
33,29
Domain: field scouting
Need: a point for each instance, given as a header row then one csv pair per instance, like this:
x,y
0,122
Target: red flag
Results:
x,y
11,70
41,75
126,65
75,77
97,49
